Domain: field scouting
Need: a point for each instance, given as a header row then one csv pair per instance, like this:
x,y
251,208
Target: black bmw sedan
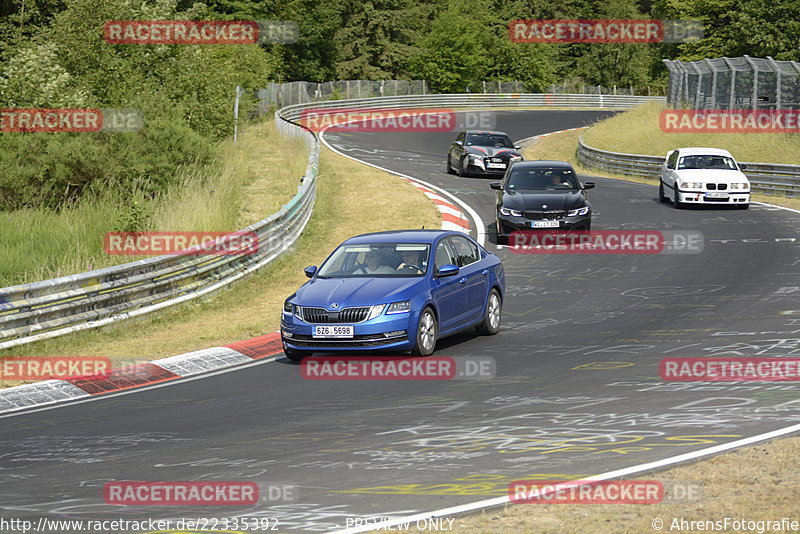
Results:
x,y
544,195
481,152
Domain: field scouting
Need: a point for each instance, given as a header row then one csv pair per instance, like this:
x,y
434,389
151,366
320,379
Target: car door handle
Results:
x,y
463,280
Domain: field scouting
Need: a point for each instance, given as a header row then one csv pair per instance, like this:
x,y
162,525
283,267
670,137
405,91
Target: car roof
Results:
x,y
405,236
542,163
703,151
493,132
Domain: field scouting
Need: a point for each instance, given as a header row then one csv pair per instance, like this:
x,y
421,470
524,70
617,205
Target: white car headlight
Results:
x,y
375,311
576,212
691,185
740,185
399,307
509,211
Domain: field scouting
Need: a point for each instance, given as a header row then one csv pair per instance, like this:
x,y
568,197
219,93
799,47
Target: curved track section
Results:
x,y
577,390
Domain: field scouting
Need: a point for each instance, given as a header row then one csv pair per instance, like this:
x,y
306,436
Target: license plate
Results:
x,y
716,194
545,224
496,165
333,331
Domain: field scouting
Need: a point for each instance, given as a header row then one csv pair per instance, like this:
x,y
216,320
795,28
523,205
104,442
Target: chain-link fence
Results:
x,y
279,95
734,83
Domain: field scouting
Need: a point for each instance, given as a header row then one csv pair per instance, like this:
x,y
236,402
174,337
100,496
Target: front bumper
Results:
x,y
701,197
386,332
506,225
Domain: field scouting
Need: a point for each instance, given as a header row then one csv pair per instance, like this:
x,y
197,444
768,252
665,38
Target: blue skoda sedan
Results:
x,y
399,290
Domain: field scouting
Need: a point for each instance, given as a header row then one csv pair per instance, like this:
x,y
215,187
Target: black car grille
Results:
x,y
544,215
357,341
720,187
343,316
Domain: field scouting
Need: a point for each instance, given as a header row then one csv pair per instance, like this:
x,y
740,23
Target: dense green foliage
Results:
x,y
52,54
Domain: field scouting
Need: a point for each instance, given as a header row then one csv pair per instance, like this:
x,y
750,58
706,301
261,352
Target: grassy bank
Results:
x,y
637,132
248,181
347,204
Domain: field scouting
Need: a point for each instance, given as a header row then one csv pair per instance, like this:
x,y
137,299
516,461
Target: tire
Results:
x,y
661,196
460,171
295,355
427,333
499,239
588,227
491,319
449,167
675,202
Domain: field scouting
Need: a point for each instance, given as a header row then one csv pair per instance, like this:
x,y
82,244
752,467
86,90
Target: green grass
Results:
x,y
248,182
637,132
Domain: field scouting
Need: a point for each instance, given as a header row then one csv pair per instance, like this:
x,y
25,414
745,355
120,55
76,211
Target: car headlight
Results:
x,y
375,311
691,185
288,308
740,185
580,211
399,307
508,211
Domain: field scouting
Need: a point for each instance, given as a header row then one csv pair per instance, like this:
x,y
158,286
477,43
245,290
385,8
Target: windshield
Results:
x,y
493,140
707,162
376,259
541,178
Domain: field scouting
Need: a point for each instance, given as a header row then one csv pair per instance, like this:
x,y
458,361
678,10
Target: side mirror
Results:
x,y
588,185
495,185
518,147
670,166
310,270
447,269
460,143
742,167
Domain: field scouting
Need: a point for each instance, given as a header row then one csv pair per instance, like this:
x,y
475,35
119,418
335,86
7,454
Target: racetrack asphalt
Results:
x,y
577,390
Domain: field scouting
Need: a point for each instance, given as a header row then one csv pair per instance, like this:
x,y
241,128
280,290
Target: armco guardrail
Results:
x,y
477,101
764,177
50,308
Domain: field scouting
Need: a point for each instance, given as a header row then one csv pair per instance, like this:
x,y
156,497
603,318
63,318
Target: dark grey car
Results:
x,y
541,195
482,152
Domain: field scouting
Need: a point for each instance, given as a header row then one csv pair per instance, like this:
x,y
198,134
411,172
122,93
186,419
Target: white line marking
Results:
x,y
649,466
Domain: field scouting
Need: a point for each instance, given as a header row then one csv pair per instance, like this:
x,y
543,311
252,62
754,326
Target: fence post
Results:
x,y
236,113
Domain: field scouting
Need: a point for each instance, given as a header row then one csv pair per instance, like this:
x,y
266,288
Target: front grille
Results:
x,y
720,187
371,340
343,316
542,215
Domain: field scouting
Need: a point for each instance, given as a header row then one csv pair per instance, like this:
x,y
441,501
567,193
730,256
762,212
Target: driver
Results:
x,y
374,264
410,259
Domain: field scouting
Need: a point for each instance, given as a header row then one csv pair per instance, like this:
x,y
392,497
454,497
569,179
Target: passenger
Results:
x,y
374,264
